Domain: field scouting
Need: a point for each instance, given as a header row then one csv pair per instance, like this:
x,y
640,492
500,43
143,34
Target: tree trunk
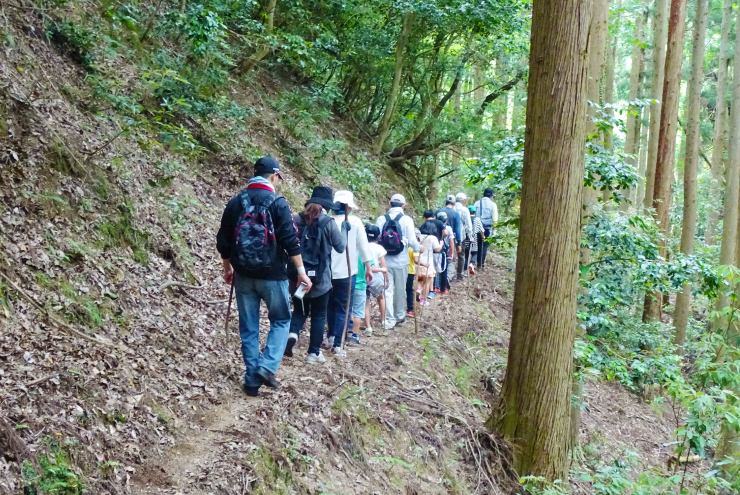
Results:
x,y
645,127
252,61
693,139
609,85
732,183
390,103
667,136
659,52
535,397
720,119
632,139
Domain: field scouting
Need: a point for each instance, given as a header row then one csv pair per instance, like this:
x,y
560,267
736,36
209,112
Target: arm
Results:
x,y
495,213
285,233
337,239
224,238
363,248
383,267
408,232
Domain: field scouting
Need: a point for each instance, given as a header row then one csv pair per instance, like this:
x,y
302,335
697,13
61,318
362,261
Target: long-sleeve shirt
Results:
x,y
477,229
487,211
467,224
356,243
406,223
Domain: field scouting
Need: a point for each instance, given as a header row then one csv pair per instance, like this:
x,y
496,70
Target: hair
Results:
x,y
265,175
488,192
396,204
311,213
428,228
428,214
449,202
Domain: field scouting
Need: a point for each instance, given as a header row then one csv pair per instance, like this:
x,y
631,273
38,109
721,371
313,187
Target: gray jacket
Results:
x,y
332,238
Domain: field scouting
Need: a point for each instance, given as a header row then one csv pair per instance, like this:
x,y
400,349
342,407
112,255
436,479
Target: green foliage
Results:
x,y
120,231
56,476
74,40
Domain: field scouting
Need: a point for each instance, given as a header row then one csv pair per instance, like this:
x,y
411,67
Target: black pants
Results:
x,y
463,258
316,307
410,293
483,246
444,280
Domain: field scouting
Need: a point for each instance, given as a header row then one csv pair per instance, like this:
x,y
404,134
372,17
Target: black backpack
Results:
x,y
255,245
391,237
311,238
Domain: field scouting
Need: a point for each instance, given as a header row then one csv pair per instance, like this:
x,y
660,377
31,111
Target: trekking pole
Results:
x,y
228,309
349,276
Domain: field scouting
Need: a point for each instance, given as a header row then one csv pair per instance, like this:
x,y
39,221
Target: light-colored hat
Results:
x,y
451,197
345,197
461,197
398,198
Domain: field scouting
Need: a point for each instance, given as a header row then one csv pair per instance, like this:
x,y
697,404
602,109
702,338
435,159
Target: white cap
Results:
x,y
345,197
451,197
461,197
398,198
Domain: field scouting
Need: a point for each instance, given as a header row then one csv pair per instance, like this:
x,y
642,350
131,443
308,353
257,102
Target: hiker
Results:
x,y
376,288
466,231
342,281
256,238
488,213
432,226
430,245
477,241
396,235
448,250
410,278
453,220
318,235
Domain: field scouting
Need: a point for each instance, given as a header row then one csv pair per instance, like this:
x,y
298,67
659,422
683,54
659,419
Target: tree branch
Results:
x,y
500,91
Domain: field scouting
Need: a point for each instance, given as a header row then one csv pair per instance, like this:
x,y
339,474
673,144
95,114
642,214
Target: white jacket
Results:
x,y
465,221
357,243
409,238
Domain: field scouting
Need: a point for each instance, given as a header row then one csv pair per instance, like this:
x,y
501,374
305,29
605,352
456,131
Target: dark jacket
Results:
x,y
332,238
285,234
453,220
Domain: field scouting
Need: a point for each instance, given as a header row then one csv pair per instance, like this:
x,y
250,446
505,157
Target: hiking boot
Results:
x,y
338,351
250,391
292,339
368,332
268,378
355,339
316,358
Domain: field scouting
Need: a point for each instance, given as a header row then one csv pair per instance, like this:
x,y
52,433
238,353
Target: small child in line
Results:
x,y
380,277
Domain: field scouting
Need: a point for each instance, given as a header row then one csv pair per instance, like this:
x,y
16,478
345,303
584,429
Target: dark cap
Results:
x,y
372,231
267,165
323,196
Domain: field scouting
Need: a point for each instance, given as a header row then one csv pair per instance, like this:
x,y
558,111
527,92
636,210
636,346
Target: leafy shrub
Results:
x,y
56,476
74,40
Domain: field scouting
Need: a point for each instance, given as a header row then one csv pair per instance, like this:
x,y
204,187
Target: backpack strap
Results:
x,y
387,221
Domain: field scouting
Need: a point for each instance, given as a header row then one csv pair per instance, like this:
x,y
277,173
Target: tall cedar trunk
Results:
x,y
631,140
390,102
535,397
667,137
691,165
598,30
720,119
732,182
640,198
252,61
611,56
659,51
456,150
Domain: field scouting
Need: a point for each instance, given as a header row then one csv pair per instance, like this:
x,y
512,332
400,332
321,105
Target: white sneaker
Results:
x,y
338,351
316,358
368,332
388,326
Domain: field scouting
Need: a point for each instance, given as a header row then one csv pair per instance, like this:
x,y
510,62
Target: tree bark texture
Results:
x,y
252,61
659,54
732,183
691,165
632,138
535,397
720,120
390,102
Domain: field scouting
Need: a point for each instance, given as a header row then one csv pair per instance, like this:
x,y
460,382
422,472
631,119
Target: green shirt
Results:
x,y
360,282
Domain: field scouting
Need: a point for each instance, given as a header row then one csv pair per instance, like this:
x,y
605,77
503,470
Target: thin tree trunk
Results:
x,y
252,61
645,127
535,397
659,53
609,85
732,183
693,139
667,138
390,103
632,141
720,118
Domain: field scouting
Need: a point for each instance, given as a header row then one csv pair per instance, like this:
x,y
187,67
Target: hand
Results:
x,y
368,277
459,249
346,227
228,273
387,281
303,278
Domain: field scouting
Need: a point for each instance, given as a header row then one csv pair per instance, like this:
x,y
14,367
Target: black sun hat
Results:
x,y
323,196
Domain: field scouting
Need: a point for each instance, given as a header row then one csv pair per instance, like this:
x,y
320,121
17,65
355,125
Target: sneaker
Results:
x,y
355,339
425,303
436,290
410,314
316,358
430,295
338,351
251,391
387,326
328,343
268,378
446,291
471,270
292,339
368,332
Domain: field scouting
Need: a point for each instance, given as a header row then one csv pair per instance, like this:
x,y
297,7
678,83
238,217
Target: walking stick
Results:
x,y
228,310
349,276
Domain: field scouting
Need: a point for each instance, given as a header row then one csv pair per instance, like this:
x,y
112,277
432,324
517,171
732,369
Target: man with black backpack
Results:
x,y
256,238
396,235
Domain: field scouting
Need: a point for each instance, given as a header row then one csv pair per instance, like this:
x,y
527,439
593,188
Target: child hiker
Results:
x,y
380,281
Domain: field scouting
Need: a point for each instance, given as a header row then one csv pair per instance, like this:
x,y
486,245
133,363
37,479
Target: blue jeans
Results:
x,y
249,293
337,310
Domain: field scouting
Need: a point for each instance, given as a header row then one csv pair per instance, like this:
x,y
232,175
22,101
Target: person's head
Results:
x,y
398,201
488,193
461,197
321,199
442,217
450,201
269,168
344,201
373,232
471,209
417,233
428,214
